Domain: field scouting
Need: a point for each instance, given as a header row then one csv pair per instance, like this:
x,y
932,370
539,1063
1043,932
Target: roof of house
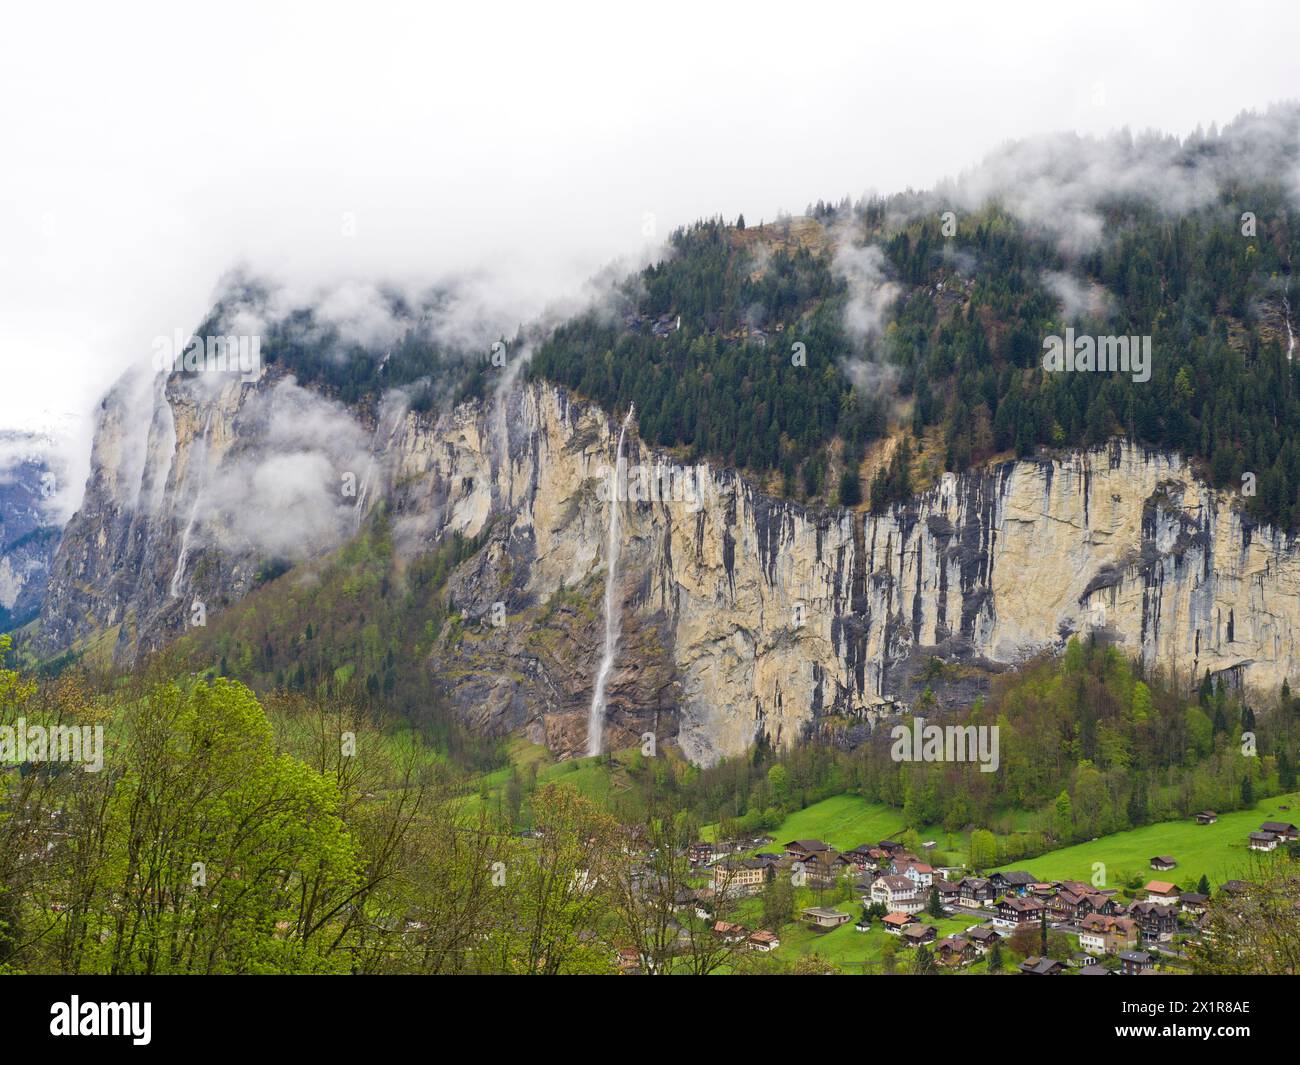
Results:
x,y
808,846
952,943
1277,826
1094,970
1023,904
1018,876
1164,859
895,883
920,931
1140,956
1263,837
982,934
823,911
764,937
1160,887
897,919
1194,897
1039,965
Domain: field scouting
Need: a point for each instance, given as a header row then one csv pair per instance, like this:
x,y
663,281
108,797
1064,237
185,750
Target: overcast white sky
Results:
x,y
145,148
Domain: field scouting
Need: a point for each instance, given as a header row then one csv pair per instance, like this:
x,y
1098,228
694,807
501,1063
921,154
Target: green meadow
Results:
x,y
1218,851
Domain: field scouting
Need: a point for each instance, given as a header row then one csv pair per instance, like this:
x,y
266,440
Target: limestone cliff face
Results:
x,y
29,530
741,614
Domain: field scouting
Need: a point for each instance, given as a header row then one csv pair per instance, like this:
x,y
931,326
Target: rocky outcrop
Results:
x,y
29,533
742,614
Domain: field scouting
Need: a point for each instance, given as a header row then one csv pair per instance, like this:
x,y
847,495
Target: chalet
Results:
x,y
821,868
890,847
764,941
1067,905
975,891
1092,933
700,853
917,935
820,917
1103,903
1133,962
858,861
1163,863
1033,966
1193,902
1015,882
1094,970
730,933
949,892
982,939
894,923
898,894
1156,921
1099,934
1284,830
1012,912
1161,891
1206,817
803,849
954,950
1262,841
737,877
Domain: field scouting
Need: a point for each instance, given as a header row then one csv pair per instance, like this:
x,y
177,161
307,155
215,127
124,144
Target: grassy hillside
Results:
x,y
1218,851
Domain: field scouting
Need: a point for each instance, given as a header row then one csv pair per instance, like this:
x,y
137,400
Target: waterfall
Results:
x,y
1290,336
596,717
190,523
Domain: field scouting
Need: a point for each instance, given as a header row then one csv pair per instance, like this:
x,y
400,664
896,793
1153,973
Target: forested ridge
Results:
x,y
968,302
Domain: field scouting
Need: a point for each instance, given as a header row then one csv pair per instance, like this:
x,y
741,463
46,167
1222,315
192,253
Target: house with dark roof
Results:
x,y
982,939
954,951
1156,921
916,935
975,891
1133,962
1262,841
1015,881
801,849
1283,830
1012,912
1206,817
1034,966
1163,863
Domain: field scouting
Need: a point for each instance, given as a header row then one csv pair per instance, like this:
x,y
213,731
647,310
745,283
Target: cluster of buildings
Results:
x,y
900,883
1271,835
